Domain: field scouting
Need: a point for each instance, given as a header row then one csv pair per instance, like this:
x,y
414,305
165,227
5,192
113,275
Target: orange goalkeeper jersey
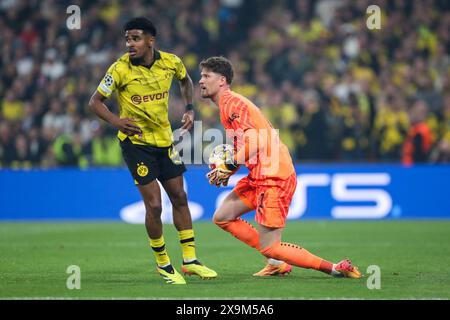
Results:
x,y
250,129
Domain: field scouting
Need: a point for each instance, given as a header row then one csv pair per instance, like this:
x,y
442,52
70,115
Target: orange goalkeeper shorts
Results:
x,y
270,199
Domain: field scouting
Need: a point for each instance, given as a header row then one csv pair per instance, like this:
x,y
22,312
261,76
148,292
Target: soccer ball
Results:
x,y
220,154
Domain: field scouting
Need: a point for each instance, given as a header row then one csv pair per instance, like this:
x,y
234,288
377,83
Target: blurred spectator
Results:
x,y
68,151
52,68
12,107
6,145
37,146
336,90
56,120
420,138
391,127
441,152
311,127
103,149
355,132
21,157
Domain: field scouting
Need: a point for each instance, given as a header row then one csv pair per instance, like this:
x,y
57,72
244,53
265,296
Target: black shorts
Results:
x,y
147,163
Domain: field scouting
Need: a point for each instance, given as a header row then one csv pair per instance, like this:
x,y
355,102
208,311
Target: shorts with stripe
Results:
x,y
270,199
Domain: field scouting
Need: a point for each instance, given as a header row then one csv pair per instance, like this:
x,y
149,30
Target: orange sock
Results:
x,y
296,256
242,230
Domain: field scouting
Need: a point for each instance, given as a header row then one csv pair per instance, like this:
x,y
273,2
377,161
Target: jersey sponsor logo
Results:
x,y
138,80
142,170
137,99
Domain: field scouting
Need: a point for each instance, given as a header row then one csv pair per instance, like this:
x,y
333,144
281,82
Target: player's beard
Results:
x,y
204,94
137,60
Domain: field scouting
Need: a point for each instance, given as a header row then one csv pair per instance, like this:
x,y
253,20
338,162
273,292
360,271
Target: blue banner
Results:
x,y
323,192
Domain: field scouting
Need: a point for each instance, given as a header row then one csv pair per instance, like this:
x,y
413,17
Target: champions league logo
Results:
x,y
109,80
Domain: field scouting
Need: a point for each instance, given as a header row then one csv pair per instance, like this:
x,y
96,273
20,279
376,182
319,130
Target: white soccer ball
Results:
x,y
220,154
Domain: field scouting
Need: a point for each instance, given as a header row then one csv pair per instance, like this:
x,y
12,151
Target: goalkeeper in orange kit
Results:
x,y
270,185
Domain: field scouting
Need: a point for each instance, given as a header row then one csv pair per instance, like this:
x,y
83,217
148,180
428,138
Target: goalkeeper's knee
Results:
x,y
220,223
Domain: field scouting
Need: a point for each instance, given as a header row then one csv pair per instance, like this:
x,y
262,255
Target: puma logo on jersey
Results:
x,y
137,79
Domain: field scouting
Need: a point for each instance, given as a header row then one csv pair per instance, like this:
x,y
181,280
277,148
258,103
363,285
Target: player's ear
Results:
x,y
150,41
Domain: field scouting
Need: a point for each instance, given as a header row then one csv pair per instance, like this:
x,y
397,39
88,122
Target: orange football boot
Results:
x,y
271,270
347,270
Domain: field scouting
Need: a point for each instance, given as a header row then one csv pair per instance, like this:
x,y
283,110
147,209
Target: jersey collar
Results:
x,y
224,95
156,56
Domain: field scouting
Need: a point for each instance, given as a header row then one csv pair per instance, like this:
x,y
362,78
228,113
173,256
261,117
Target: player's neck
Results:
x,y
146,61
220,93
148,58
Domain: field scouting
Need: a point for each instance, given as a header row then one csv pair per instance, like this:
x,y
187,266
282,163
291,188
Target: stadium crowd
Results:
x,y
336,90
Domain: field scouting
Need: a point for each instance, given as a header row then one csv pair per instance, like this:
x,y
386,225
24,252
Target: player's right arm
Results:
x,y
107,86
126,125
249,143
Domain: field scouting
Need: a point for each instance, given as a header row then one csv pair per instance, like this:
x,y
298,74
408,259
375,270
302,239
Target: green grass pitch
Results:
x,y
116,261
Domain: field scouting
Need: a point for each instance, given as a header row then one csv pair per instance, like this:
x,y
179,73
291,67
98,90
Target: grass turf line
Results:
x,y
116,261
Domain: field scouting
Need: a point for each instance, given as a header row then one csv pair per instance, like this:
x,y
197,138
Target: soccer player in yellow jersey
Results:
x,y
141,79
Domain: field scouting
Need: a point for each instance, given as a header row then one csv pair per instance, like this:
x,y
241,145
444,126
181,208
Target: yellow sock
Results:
x,y
187,244
160,252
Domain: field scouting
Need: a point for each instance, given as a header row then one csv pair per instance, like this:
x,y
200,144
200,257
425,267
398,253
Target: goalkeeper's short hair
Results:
x,y
220,65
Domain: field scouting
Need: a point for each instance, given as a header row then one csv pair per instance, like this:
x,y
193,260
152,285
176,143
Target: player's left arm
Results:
x,y
245,133
187,92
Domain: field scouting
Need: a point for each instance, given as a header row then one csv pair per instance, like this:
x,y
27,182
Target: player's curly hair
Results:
x,y
220,65
140,23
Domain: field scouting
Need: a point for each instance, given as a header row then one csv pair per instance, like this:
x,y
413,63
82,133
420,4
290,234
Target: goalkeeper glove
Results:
x,y
221,173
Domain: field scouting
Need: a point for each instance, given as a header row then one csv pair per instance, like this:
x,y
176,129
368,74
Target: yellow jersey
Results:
x,y
143,95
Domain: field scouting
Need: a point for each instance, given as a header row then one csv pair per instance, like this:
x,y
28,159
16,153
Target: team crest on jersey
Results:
x,y
142,169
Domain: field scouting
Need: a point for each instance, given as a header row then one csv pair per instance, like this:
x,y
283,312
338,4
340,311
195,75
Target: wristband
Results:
x,y
189,107
231,166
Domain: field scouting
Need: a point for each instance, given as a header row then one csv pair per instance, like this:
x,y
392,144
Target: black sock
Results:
x,y
193,262
168,268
